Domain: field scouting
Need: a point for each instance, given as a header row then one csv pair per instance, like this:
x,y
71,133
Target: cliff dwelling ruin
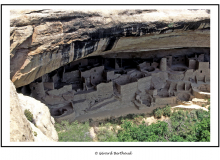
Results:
x,y
88,64
103,83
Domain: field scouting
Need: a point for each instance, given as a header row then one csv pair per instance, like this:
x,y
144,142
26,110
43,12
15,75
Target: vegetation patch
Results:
x,y
167,111
182,126
35,134
28,115
73,132
158,112
107,133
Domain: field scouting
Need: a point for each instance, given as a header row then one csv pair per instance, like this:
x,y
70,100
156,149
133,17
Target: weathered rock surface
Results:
x,y
44,40
41,116
40,137
21,130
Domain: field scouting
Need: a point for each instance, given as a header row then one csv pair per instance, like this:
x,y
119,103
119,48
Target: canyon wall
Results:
x,y
44,40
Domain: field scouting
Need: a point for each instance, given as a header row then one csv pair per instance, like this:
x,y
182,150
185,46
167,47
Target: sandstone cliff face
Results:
x,y
44,40
21,130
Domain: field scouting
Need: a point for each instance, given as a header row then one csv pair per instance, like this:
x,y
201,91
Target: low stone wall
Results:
x,y
60,91
166,100
199,94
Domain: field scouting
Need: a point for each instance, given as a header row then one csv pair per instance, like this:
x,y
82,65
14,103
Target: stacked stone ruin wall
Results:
x,y
96,89
144,83
69,77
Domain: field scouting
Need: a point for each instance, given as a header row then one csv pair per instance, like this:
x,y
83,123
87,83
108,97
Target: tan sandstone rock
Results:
x,y
38,135
41,116
44,40
20,129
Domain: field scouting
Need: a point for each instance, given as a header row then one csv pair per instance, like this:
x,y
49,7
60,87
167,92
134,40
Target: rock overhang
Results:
x,y
44,40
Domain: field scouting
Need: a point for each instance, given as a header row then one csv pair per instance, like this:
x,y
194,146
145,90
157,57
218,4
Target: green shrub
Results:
x,y
105,134
28,115
158,112
167,111
35,134
201,114
138,119
73,132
